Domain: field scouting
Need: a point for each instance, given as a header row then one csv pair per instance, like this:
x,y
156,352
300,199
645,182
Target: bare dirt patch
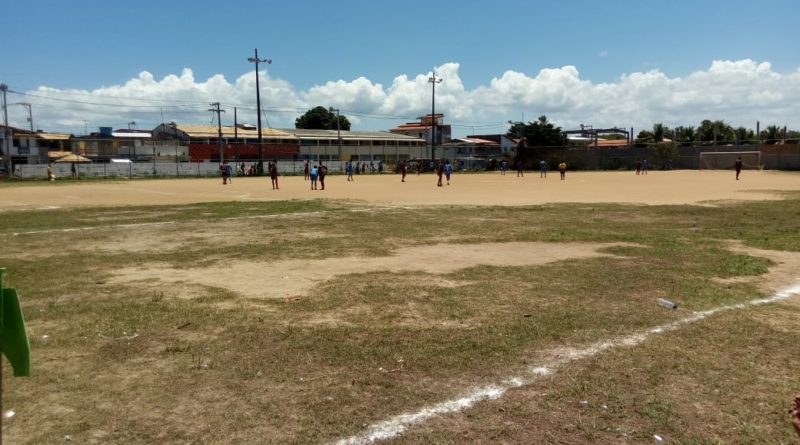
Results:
x,y
785,271
288,278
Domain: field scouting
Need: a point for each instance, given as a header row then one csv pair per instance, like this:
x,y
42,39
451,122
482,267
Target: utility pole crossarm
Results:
x,y
256,60
219,111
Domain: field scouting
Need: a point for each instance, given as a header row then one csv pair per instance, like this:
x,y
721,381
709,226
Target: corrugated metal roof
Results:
x,y
351,135
54,136
132,134
211,131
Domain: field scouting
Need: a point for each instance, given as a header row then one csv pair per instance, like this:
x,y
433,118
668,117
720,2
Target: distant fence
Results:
x,y
163,169
773,157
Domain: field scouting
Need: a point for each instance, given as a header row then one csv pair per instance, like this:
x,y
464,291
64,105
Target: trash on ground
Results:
x,y
667,304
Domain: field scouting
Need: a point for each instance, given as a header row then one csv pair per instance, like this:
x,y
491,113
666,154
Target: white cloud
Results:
x,y
739,92
603,53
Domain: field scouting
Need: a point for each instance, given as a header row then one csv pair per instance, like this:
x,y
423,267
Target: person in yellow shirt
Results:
x,y
562,168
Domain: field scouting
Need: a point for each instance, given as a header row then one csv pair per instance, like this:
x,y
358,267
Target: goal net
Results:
x,y
711,160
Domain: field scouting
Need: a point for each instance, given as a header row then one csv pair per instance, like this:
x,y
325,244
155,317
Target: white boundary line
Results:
x,y
399,424
233,218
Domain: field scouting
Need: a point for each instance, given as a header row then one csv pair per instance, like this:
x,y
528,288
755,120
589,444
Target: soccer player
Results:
x,y
323,170
796,414
542,169
273,173
638,166
644,166
448,170
305,171
738,166
562,168
313,176
520,166
348,168
440,172
403,170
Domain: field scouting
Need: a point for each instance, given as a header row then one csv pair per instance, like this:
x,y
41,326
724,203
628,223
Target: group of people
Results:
x,y
543,167
316,174
641,167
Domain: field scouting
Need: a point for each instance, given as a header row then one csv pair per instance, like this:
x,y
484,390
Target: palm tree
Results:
x,y
771,134
659,130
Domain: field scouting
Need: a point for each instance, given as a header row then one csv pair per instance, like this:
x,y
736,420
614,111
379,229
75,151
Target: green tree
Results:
x,y
771,134
745,136
659,132
717,132
685,136
320,118
645,137
541,133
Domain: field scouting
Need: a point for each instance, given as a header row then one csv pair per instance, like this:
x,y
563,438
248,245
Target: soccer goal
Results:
x,y
711,160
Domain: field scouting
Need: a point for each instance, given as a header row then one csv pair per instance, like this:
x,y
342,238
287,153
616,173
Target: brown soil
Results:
x,y
672,187
291,278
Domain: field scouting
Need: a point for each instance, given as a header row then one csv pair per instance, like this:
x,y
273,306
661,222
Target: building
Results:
x,y
107,144
471,147
424,129
595,137
358,145
508,144
31,147
239,142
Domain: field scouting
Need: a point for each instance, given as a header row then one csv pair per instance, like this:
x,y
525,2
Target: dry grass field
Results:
x,y
494,310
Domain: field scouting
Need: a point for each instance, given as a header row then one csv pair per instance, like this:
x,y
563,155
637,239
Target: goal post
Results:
x,y
713,160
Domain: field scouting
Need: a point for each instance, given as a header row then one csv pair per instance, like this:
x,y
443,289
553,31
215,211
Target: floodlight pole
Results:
x,y
433,80
256,60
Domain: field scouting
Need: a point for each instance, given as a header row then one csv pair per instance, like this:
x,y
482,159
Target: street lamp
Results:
x,y
30,112
433,80
42,153
338,130
256,60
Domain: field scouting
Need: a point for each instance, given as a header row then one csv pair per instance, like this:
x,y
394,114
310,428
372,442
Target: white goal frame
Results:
x,y
711,160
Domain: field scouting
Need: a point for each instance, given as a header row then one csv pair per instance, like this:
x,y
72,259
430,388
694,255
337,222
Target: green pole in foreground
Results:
x,y
13,339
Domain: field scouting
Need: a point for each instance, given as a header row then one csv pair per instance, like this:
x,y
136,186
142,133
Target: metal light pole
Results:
x,y
256,60
433,80
338,131
30,112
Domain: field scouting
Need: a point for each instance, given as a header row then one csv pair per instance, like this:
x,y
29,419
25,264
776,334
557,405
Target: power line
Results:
x,y
101,104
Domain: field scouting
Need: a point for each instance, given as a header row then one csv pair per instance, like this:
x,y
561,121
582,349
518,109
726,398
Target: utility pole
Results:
x,y
6,131
338,131
217,110
256,60
433,80
236,134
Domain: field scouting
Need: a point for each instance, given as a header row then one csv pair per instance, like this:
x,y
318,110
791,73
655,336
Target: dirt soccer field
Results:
x,y
673,187
494,310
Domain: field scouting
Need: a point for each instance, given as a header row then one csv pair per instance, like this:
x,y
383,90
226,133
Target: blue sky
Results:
x,y
95,48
